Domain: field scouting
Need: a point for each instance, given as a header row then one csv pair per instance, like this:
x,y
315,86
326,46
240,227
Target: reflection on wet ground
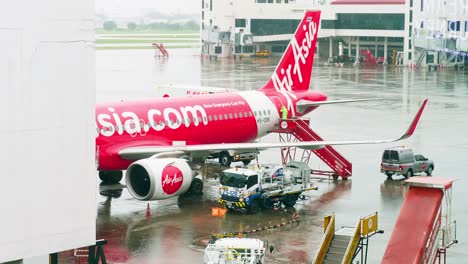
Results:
x,y
176,230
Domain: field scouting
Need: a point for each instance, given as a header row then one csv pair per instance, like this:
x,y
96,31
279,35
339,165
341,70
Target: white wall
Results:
x,y
47,98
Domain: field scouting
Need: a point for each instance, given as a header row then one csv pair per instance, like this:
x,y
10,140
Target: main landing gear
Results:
x,y
110,177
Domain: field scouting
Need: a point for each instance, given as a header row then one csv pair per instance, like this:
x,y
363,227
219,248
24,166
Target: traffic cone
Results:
x,y
148,211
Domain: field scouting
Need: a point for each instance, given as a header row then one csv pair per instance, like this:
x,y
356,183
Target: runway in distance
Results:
x,y
152,138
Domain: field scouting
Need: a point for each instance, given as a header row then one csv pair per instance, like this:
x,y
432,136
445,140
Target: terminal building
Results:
x,y
384,27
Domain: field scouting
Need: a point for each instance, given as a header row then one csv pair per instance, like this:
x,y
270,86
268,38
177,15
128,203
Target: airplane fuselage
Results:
x,y
205,119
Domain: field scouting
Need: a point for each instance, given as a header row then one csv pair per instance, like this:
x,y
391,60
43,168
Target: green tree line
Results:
x,y
190,25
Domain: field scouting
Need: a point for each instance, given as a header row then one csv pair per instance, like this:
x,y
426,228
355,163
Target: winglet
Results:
x,y
414,123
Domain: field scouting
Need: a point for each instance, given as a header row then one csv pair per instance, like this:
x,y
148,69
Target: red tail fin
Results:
x,y
295,67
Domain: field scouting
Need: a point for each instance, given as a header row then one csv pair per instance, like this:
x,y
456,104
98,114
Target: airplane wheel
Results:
x,y
196,187
246,162
110,177
225,159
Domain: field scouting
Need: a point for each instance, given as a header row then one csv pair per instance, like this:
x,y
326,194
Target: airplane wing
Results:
x,y
304,104
133,153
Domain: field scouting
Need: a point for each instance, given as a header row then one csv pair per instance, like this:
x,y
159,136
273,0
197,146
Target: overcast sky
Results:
x,y
135,7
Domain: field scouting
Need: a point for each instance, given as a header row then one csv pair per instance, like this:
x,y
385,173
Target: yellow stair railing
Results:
x,y
353,244
329,233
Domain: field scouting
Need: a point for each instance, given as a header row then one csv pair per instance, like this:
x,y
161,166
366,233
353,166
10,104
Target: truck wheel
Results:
x,y
409,174
335,176
290,200
254,207
389,176
225,159
110,177
196,187
429,171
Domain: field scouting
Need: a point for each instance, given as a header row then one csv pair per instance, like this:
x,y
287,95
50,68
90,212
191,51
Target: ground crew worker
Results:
x,y
284,112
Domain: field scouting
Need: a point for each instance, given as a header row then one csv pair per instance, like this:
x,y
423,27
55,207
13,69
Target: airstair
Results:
x,y
160,50
292,130
345,244
424,229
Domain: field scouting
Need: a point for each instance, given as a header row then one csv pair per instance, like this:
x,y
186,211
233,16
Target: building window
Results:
x,y
202,4
366,21
240,22
453,25
218,50
260,1
203,15
264,27
211,5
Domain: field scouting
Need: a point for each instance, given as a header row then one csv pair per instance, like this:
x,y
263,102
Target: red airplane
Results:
x,y
152,138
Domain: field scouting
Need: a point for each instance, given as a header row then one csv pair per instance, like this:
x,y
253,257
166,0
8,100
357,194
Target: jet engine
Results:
x,y
158,178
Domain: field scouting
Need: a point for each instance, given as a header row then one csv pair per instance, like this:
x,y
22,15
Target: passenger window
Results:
x,y
240,115
225,116
220,117
269,112
230,116
210,118
264,112
215,117
204,119
259,113
235,115
255,113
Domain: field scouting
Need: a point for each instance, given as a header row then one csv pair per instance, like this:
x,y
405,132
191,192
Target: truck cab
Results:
x,y
401,160
266,186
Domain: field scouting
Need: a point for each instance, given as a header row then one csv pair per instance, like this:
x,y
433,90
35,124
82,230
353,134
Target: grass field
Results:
x,y
142,47
140,41
115,40
153,32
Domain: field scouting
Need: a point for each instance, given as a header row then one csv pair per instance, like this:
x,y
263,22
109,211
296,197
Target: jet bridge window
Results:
x,y
251,181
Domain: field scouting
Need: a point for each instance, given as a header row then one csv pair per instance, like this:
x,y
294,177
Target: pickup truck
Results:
x,y
401,160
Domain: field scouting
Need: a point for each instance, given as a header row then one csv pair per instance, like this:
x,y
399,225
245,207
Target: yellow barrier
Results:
x,y
353,244
369,224
329,232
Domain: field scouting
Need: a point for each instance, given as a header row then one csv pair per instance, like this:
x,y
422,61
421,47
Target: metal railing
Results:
x,y
353,244
329,232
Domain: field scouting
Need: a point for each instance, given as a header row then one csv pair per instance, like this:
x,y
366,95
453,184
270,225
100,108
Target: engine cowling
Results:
x,y
158,178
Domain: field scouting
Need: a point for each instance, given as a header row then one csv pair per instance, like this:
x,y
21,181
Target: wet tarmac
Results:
x,y
177,229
